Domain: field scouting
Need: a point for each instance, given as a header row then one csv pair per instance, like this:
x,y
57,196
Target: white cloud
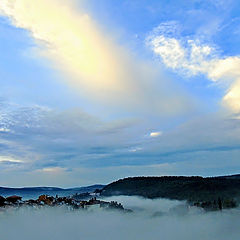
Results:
x,y
52,170
4,130
155,134
191,57
7,159
136,149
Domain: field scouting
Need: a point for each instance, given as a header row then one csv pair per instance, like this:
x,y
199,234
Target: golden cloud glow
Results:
x,y
72,40
228,69
155,134
91,61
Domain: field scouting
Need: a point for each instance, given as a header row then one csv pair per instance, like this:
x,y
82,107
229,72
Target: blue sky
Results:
x,y
92,91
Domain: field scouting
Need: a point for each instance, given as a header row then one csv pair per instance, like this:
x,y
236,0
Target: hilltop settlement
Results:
x,y
71,202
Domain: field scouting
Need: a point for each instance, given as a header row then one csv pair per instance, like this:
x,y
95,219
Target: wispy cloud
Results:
x,y
4,130
191,57
52,170
7,159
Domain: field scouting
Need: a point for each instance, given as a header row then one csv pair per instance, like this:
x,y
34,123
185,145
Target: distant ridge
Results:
x,y
27,192
235,176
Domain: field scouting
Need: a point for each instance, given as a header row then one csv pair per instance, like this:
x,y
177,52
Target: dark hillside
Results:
x,y
180,188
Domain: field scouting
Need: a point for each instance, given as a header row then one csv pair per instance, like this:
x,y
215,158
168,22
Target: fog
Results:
x,y
151,219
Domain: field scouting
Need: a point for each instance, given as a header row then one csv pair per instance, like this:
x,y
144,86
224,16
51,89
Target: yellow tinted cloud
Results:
x,y
94,64
71,39
228,69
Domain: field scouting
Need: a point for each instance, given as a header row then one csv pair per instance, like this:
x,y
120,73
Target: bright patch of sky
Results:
x,y
95,90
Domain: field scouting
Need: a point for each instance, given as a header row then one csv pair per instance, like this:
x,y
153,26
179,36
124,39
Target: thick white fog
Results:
x,y
152,219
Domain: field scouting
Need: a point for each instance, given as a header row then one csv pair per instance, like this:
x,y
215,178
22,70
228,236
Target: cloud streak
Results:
x,y
70,38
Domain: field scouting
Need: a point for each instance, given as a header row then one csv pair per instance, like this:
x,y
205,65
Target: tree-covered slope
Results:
x,y
181,188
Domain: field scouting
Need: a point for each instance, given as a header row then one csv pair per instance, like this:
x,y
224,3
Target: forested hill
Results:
x,y
180,188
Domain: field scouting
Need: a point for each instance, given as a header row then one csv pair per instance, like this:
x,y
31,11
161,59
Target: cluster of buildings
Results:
x,y
70,202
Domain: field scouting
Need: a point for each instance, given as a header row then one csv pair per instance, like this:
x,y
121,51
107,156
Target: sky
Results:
x,y
93,91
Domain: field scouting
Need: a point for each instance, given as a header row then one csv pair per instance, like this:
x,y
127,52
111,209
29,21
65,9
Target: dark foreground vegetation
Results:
x,y
209,193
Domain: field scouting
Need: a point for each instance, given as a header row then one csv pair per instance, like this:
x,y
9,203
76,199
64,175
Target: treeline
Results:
x,y
192,189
